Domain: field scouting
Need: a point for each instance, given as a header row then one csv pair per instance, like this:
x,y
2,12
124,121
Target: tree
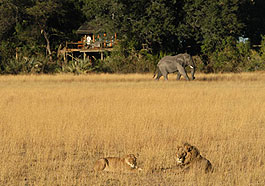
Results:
x,y
7,16
103,15
41,12
253,15
38,23
140,22
33,26
157,25
207,23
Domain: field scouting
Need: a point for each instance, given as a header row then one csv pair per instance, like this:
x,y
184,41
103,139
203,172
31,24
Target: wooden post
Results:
x,y
102,55
104,37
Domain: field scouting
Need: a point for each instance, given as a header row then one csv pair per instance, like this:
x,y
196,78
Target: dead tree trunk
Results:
x,y
48,48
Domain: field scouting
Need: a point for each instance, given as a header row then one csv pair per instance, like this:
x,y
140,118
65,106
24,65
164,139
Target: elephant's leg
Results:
x,y
164,72
165,77
179,75
159,74
183,72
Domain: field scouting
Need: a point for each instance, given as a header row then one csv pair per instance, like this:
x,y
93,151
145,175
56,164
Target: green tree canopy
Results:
x,y
7,16
207,23
164,26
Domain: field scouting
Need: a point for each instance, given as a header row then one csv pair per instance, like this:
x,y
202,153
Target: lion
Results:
x,y
189,157
126,164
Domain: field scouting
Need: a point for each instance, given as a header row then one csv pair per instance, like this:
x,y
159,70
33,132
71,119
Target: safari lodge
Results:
x,y
93,42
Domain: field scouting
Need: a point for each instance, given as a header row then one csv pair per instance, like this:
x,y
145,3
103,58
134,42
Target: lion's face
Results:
x,y
131,160
181,154
189,156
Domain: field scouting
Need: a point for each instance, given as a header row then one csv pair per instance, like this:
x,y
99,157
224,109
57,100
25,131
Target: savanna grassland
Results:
x,y
53,128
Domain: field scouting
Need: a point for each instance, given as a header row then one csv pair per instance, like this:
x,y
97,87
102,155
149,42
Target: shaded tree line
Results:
x,y
220,33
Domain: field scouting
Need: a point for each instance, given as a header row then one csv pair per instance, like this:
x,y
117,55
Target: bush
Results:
x,y
262,48
237,57
225,58
254,62
30,65
130,61
77,66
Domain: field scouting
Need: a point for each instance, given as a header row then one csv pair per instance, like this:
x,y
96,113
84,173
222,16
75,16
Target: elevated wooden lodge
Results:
x,y
92,42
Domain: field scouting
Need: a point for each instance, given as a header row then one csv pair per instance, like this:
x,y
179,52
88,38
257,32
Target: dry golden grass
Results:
x,y
53,128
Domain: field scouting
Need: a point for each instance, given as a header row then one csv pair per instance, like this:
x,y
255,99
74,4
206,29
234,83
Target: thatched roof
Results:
x,y
88,28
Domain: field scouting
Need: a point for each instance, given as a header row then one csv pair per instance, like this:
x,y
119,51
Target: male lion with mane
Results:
x,y
126,164
189,157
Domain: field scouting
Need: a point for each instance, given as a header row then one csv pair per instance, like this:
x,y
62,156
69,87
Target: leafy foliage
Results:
x,y
7,17
207,23
26,65
205,28
134,61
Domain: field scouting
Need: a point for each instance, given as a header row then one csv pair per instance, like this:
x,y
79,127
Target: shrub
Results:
x,y
130,61
27,65
254,62
262,48
225,60
236,57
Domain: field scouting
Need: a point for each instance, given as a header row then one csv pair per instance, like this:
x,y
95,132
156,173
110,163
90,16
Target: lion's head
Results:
x,y
186,153
181,154
131,160
189,156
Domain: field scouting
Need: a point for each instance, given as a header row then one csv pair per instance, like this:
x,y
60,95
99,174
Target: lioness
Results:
x,y
189,157
125,164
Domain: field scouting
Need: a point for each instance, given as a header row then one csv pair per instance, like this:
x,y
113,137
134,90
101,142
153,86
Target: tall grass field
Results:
x,y
53,128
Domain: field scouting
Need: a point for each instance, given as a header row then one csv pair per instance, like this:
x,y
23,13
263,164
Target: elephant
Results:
x,y
177,63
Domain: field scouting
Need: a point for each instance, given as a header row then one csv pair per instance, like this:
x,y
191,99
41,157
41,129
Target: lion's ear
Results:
x,y
188,148
133,155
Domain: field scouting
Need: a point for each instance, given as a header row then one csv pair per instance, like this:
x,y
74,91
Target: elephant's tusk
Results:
x,y
191,66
